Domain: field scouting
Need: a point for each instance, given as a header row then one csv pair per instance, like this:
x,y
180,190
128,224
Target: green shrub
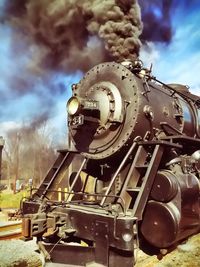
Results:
x,y
11,200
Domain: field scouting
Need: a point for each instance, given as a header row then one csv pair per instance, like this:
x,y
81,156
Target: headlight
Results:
x,y
196,155
73,105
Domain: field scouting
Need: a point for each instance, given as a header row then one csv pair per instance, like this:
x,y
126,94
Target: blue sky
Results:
x,y
25,95
179,60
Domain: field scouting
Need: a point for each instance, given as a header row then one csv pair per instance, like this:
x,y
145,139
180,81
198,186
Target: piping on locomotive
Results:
x,y
131,170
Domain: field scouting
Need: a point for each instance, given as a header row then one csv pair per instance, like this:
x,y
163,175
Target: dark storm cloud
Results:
x,y
156,17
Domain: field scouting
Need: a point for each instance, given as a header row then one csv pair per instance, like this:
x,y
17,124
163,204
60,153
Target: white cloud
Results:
x,y
149,54
7,126
174,63
59,124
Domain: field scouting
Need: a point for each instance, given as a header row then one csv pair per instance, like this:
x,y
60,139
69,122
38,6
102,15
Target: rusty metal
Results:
x,y
26,227
10,230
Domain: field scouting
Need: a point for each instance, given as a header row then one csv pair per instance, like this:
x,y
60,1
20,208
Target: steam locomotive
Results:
x,y
130,176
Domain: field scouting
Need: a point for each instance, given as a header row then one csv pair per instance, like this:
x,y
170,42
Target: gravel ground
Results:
x,y
17,253
186,255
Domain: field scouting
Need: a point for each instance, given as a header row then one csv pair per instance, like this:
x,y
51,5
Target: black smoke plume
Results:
x,y
77,34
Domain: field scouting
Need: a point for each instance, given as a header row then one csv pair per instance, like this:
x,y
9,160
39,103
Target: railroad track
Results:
x,y
10,230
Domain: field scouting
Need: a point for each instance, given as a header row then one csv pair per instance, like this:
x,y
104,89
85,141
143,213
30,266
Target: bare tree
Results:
x,y
28,153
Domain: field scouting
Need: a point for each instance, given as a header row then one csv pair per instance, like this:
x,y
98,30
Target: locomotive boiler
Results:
x,y
130,176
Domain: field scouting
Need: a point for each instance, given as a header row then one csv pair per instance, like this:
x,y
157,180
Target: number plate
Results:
x,y
91,104
77,121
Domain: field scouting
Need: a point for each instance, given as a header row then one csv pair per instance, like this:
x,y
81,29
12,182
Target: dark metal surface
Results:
x,y
84,256
121,95
130,177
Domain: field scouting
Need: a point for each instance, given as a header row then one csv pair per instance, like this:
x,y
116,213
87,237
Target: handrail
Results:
x,y
77,176
119,169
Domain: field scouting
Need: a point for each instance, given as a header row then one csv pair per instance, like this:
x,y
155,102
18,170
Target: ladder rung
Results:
x,y
135,189
144,166
45,184
55,167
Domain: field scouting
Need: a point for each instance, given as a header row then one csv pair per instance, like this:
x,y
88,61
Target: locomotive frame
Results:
x,y
140,191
